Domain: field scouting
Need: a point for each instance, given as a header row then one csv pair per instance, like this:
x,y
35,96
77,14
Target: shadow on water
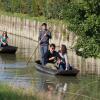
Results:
x,y
11,61
8,57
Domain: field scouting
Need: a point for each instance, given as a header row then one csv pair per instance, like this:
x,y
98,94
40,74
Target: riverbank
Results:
x,y
26,16
9,93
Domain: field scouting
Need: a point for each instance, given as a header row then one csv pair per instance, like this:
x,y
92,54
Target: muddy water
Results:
x,y
15,72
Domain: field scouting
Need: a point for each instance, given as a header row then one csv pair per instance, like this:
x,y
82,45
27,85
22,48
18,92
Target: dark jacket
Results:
x,y
44,40
49,55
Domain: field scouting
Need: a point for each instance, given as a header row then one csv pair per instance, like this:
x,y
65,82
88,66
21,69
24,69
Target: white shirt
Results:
x,y
64,56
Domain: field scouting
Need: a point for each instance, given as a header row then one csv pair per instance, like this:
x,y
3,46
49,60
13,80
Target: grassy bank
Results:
x,y
7,93
26,16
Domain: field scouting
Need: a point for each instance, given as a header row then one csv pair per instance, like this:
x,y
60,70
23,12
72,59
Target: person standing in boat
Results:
x,y
4,39
51,57
44,36
63,62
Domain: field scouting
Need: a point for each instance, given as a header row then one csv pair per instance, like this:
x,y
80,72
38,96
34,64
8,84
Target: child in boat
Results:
x,y
4,39
51,57
63,63
44,36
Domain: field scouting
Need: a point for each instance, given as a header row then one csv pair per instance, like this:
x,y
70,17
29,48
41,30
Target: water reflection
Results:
x,y
53,91
51,87
7,58
11,61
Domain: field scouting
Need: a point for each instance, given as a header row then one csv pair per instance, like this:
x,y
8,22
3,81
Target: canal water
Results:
x,y
15,72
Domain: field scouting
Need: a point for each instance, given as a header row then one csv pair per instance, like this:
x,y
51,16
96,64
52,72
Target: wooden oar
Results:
x,y
32,54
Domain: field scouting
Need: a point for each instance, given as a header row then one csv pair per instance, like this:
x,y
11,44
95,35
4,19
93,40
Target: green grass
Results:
x,y
7,93
26,16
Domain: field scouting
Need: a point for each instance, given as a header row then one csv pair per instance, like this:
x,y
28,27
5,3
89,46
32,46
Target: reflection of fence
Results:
x,y
23,29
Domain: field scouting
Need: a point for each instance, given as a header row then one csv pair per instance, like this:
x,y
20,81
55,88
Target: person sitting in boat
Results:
x,y
4,39
51,57
63,63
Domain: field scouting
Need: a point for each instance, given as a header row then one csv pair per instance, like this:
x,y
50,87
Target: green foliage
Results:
x,y
84,20
81,16
87,47
55,9
31,7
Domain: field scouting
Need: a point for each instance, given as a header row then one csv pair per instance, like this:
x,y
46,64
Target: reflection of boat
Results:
x,y
72,72
7,57
8,49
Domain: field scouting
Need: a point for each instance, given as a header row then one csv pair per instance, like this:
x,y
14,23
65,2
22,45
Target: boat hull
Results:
x,y
72,72
8,49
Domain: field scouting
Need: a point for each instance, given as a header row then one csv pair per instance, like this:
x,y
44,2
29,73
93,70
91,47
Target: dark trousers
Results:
x,y
4,45
62,66
43,50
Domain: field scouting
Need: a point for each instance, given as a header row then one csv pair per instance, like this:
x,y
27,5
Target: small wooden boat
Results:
x,y
71,72
8,49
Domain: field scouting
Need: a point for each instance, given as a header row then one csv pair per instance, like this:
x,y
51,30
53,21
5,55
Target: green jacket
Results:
x,y
3,40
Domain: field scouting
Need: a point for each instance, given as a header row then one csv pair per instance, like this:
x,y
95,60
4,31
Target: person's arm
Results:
x,y
2,41
48,33
58,55
7,40
66,60
48,58
58,58
51,58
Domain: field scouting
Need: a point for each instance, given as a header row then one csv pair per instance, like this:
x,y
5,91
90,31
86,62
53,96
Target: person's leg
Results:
x,y
45,50
42,54
62,66
67,67
4,45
